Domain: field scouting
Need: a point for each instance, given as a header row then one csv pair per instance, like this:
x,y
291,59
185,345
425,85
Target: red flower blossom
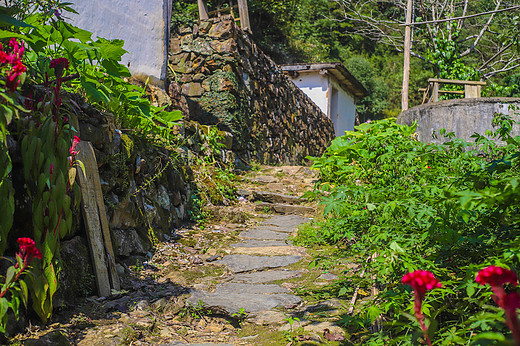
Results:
x,y
28,250
421,281
75,142
13,58
496,276
428,167
59,65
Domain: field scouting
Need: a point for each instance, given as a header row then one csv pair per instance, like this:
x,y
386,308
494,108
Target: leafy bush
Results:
x,y
394,205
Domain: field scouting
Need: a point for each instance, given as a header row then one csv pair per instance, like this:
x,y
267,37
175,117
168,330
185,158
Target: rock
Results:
x,y
264,179
128,242
266,276
192,89
124,215
267,318
53,338
295,325
320,327
91,133
244,263
286,220
327,277
77,276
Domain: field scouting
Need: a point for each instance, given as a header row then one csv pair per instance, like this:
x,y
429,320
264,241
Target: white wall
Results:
x,y
315,86
144,25
342,105
344,115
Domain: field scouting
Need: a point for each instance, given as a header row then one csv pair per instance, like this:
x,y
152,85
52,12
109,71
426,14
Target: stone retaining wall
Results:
x,y
464,117
220,77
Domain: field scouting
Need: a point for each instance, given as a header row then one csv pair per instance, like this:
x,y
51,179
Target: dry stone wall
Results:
x,y
220,77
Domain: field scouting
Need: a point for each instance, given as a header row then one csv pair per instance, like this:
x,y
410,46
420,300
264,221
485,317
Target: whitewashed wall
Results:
x,y
340,108
144,25
344,116
315,86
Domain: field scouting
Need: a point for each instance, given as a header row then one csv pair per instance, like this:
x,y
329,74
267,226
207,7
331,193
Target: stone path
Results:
x,y
249,289
197,288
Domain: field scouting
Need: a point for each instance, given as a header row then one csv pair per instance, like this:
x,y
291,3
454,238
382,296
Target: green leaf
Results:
x,y
5,19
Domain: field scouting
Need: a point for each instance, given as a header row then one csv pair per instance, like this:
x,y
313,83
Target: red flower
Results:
x,y
496,276
421,281
28,250
75,142
13,58
59,63
428,167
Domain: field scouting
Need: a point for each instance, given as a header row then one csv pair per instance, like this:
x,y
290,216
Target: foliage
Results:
x,y
58,58
18,293
394,205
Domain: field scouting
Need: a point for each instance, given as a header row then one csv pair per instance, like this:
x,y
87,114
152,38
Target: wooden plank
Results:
x,y
456,81
244,15
91,217
203,10
110,256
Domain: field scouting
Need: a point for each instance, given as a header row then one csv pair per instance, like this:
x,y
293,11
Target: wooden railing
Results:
x,y
472,89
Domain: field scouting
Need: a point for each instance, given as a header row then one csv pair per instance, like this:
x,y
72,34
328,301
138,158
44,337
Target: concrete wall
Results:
x,y
144,25
464,117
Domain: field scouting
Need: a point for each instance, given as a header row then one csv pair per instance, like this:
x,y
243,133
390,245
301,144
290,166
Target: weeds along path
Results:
x,y
238,280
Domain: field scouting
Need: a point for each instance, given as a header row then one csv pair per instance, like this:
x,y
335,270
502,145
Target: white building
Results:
x,y
144,25
333,88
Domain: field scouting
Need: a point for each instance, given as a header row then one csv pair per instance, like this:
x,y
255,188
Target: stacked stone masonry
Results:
x,y
220,77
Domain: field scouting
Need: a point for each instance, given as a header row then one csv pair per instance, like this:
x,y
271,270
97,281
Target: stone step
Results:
x,y
232,297
246,263
284,208
269,197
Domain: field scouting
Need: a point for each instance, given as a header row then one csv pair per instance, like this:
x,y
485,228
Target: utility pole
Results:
x,y
407,49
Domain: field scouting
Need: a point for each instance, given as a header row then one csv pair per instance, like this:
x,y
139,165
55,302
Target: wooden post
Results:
x,y
244,15
203,10
407,49
435,93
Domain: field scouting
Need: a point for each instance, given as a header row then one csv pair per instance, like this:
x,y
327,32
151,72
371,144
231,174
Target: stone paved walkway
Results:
x,y
249,289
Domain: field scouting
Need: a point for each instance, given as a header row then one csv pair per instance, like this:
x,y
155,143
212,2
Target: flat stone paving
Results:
x,y
248,287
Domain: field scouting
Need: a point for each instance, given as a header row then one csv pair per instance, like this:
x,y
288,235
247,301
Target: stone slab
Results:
x,y
271,250
286,220
245,263
180,343
282,229
242,288
266,276
259,243
250,302
263,234
272,197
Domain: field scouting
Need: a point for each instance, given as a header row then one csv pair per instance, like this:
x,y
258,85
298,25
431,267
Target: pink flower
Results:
x,y
428,167
75,142
496,276
13,58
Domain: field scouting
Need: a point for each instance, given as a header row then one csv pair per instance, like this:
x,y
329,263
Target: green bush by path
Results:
x,y
394,205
